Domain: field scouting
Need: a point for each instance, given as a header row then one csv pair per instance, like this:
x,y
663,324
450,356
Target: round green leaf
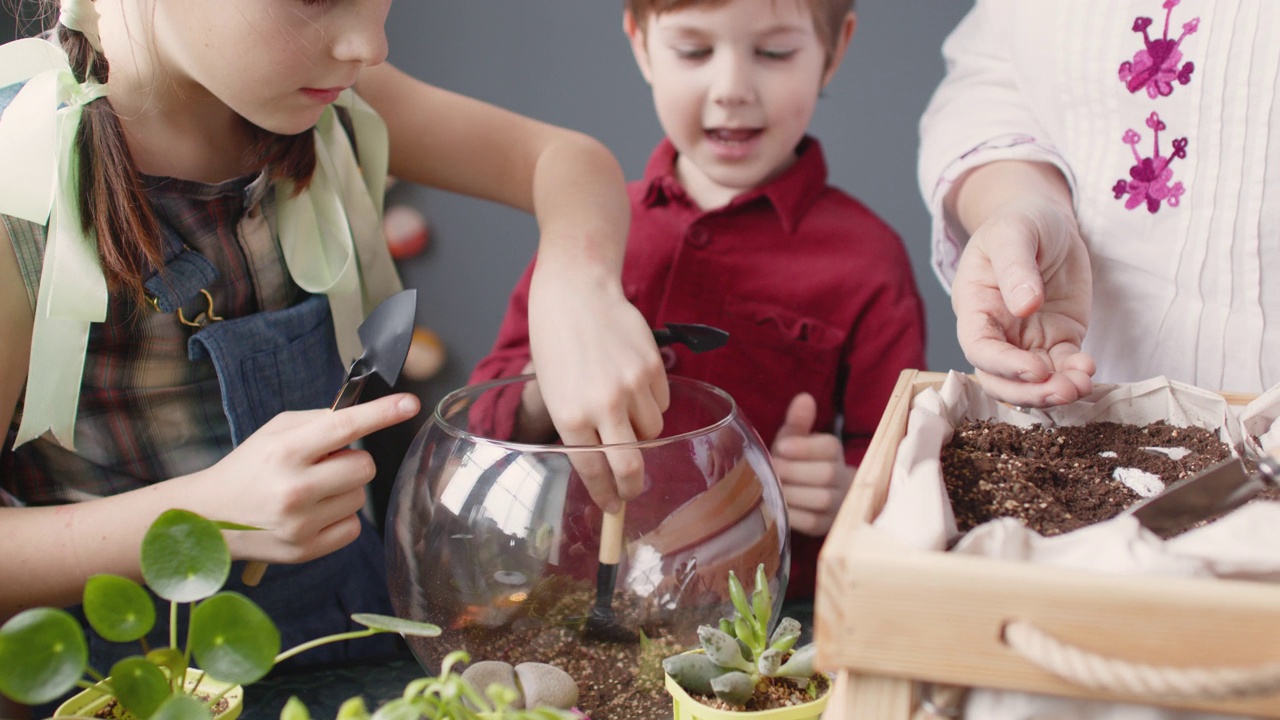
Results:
x,y
42,655
182,707
139,686
397,625
184,557
170,660
118,609
295,709
233,639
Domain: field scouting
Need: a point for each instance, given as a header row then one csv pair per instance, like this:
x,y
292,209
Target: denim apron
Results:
x,y
268,363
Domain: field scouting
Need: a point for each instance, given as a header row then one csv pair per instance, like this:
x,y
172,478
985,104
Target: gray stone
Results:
x,y
546,686
482,674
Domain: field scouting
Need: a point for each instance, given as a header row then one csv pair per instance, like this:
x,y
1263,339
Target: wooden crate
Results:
x,y
889,618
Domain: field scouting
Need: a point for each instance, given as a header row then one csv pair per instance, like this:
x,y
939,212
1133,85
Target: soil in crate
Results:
x,y
1058,479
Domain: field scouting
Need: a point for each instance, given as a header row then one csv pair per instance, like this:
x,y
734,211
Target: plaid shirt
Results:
x,y
147,413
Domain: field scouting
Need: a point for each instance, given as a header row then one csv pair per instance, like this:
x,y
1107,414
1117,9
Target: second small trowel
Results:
x,y
1216,490
385,336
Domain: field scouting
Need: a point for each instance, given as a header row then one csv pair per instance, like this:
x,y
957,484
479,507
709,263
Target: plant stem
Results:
x,y
353,635
173,625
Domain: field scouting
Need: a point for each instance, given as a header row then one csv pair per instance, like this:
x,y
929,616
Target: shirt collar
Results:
x,y
791,194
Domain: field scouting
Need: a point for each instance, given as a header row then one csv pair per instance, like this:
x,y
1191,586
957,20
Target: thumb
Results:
x,y
1013,247
801,414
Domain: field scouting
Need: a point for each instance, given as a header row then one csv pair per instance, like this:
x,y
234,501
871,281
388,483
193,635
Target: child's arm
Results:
x,y
598,366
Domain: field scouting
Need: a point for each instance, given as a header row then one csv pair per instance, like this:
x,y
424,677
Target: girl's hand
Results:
x,y
811,468
599,372
297,480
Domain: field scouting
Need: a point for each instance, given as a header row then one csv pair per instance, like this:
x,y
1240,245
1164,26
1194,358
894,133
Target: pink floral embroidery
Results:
x,y
1155,67
1149,180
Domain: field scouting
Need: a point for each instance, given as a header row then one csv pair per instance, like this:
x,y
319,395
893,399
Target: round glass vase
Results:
x,y
493,536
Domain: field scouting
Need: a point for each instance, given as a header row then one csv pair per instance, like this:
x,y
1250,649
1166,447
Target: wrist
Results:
x,y
1004,186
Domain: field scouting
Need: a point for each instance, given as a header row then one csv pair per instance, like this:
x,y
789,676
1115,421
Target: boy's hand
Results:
x,y
811,468
297,479
600,375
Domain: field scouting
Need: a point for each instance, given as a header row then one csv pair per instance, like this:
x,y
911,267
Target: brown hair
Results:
x,y
827,14
113,201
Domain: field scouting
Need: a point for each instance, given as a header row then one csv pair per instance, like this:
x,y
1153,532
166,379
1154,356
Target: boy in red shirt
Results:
x,y
734,226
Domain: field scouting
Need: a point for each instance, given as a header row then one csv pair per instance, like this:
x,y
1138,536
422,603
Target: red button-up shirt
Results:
x,y
815,291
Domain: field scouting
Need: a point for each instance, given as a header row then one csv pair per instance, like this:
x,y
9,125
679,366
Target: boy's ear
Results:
x,y
847,27
638,49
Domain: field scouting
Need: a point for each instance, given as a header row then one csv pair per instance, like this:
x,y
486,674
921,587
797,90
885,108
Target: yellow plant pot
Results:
x,y
686,707
90,701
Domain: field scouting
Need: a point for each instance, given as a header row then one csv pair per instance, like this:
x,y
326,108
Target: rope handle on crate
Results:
x,y
1098,672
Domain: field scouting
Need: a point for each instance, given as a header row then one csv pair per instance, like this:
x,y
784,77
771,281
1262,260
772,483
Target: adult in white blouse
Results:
x,y
1120,157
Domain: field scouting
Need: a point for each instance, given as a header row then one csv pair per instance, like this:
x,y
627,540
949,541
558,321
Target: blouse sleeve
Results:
x,y
977,115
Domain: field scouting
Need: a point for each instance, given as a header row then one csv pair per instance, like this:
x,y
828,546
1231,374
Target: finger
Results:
x,y
334,508
592,468
659,387
801,414
1000,358
646,416
808,523
341,472
335,430
808,474
627,465
811,498
1011,244
1058,389
819,447
336,536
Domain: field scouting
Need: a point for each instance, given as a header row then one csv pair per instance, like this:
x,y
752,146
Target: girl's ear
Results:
x,y
847,27
637,37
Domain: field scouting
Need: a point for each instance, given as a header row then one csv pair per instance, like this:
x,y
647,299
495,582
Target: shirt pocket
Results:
x,y
776,353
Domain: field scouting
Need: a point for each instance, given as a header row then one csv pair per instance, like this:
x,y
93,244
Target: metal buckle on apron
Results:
x,y
201,320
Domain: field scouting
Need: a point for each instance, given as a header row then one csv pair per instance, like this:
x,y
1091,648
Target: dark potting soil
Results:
x,y
1058,479
616,680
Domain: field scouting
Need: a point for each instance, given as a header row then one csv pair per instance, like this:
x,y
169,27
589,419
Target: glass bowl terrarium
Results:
x,y
495,539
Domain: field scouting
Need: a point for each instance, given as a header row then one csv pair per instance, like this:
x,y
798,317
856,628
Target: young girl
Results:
x,y
187,247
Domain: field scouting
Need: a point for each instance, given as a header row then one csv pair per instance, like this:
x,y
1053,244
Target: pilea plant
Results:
x,y
447,697
184,559
741,652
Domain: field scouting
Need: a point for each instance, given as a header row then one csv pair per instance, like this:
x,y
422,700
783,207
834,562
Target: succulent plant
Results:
x,y
741,652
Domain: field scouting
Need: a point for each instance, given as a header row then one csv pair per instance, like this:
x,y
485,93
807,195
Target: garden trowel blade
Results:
x,y
386,335
1190,500
698,338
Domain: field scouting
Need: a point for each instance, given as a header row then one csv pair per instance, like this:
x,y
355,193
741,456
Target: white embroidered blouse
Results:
x,y
1163,116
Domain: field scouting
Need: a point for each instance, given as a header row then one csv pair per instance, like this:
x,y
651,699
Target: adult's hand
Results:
x,y
1023,287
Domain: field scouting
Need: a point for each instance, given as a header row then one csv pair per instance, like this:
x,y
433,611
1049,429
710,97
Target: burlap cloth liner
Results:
x,y
1241,545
